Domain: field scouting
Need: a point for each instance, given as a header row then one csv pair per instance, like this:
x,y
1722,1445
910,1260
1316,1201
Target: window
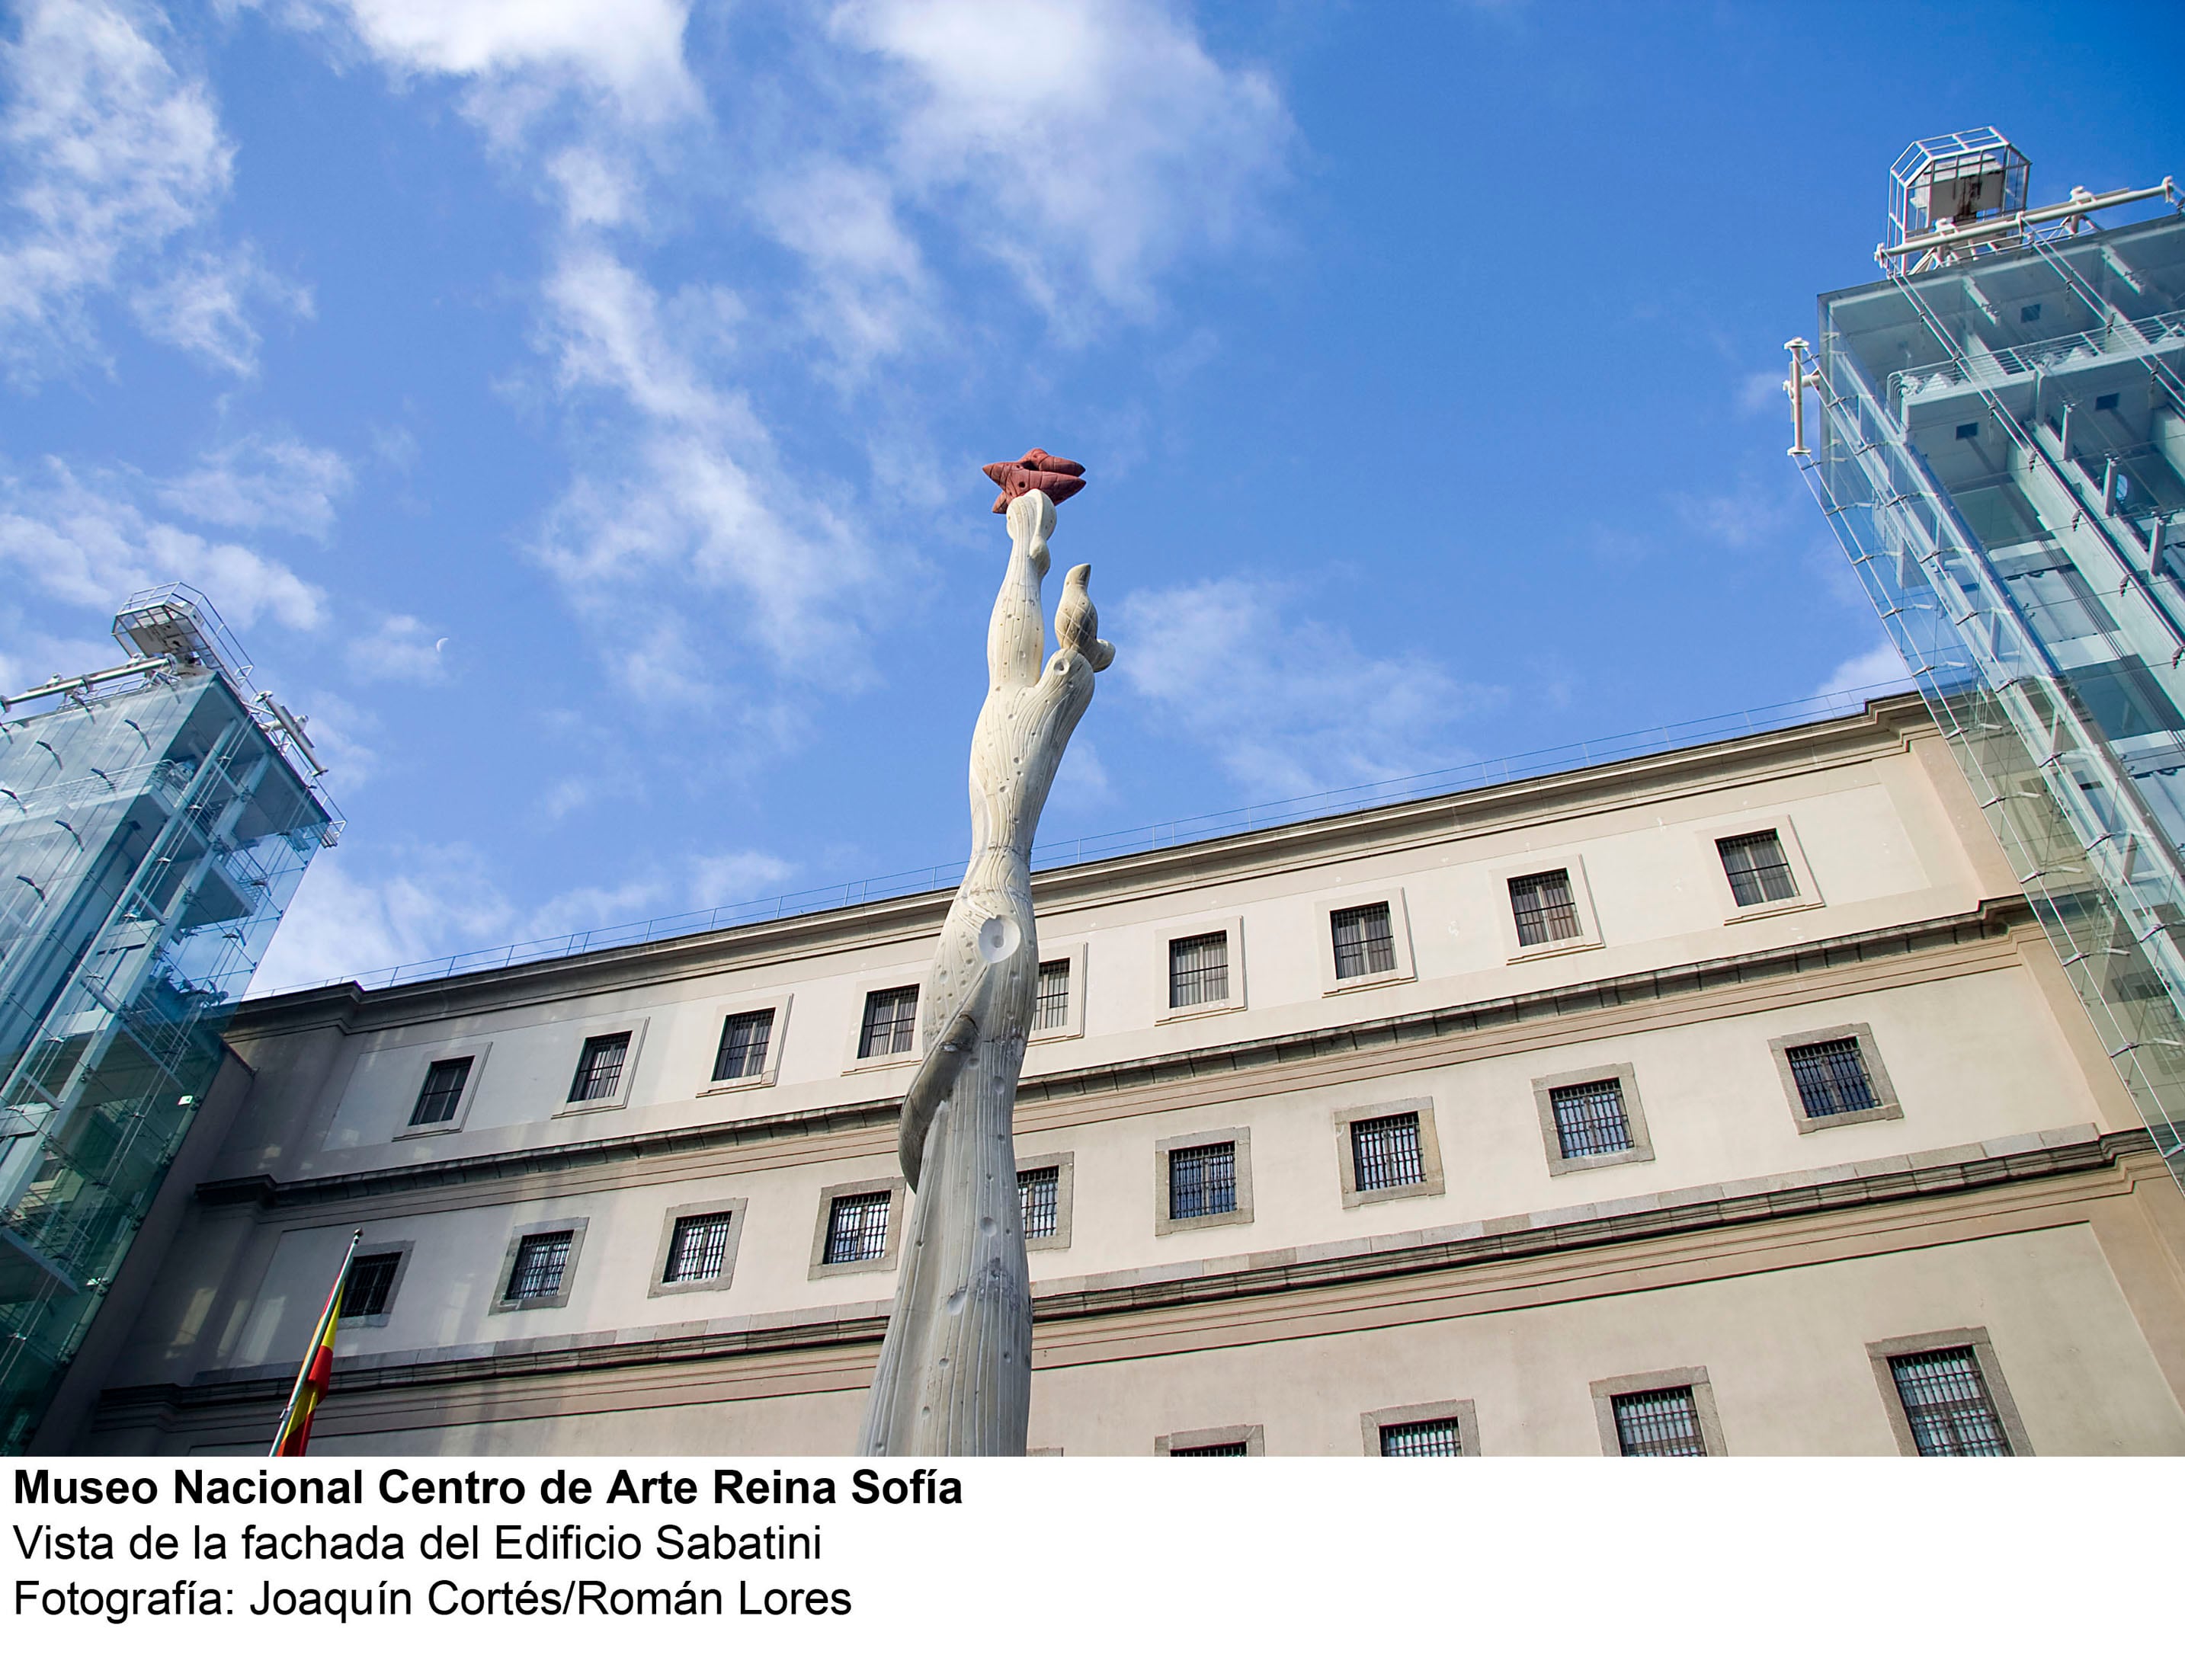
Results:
x,y
1230,1441
1948,1406
598,1067
370,1283
1659,1423
744,1039
1214,1450
1831,1077
2125,698
1384,1152
541,1262
2109,401
1590,1119
2029,312
1197,970
890,1022
1758,870
1969,429
1202,1181
1543,906
1365,944
443,1092
1431,1438
1051,1004
1040,1192
698,1249
858,1228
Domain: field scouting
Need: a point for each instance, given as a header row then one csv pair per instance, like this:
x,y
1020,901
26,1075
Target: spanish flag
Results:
x,y
317,1375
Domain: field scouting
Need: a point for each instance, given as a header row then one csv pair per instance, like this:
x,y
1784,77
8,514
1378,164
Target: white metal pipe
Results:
x,y
2081,203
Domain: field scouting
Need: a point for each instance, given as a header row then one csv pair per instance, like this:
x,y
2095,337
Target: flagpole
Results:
x,y
311,1353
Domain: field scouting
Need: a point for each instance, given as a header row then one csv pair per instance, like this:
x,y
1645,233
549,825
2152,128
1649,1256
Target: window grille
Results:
x,y
891,1020
1219,1449
370,1281
1544,908
1051,1007
540,1261
1434,1438
1663,1423
1385,1152
598,1069
698,1249
1202,1181
1590,1119
1040,1189
1758,870
443,1092
1946,1403
1363,942
1831,1077
1197,970
744,1038
856,1228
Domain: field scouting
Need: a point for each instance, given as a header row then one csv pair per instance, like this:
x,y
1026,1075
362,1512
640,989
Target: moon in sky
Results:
x,y
440,645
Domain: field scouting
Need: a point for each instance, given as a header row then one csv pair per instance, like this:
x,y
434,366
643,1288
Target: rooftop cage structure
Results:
x,y
2002,454
155,819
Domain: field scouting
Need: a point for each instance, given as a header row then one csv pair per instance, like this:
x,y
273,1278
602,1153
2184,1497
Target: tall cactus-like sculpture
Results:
x,y
955,1372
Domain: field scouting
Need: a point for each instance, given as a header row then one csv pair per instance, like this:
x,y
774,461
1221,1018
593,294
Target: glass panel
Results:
x,y
1756,868
742,1054
1197,970
371,1278
443,1092
599,1069
1363,942
890,1022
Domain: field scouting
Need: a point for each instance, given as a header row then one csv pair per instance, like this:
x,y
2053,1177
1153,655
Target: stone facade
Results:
x,y
1995,1187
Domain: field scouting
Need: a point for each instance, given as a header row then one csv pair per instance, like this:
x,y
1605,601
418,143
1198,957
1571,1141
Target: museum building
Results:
x,y
1727,1100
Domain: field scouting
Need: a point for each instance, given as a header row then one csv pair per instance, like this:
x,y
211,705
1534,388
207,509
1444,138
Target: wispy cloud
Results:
x,y
1880,664
259,483
400,649
732,877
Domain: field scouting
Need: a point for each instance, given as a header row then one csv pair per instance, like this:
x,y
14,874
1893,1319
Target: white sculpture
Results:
x,y
955,1372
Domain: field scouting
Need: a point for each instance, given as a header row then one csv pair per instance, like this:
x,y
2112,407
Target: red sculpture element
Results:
x,y
1038,470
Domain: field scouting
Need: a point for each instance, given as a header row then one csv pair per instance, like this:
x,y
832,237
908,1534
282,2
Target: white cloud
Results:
x,y
1286,708
90,545
1756,393
441,902
732,877
870,296
402,649
1880,665
29,657
119,160
1736,521
258,482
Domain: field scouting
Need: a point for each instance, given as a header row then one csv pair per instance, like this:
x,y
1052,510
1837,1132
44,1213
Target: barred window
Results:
x,y
1039,1190
1197,970
1947,1405
1430,1439
891,1020
1202,1181
744,1039
1051,1006
856,1228
1218,1449
1544,908
698,1249
1363,942
371,1281
540,1261
1758,870
1590,1119
1385,1152
1662,1423
599,1069
442,1091
1831,1077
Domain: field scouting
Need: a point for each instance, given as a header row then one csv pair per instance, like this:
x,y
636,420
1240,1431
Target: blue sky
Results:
x,y
576,405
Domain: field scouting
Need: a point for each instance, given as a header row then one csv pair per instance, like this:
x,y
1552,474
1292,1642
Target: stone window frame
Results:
x,y
454,1050
895,1188
1399,939
777,1035
1164,938
1607,1391
403,1251
1465,1413
1877,1078
1588,937
1240,1215
1974,1336
1065,1173
1253,1435
733,1207
1071,952
1808,895
1634,1118
886,981
574,1223
1434,1183
634,1025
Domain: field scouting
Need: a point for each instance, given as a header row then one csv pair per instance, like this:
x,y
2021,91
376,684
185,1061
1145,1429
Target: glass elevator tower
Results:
x,y
2001,450
154,821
